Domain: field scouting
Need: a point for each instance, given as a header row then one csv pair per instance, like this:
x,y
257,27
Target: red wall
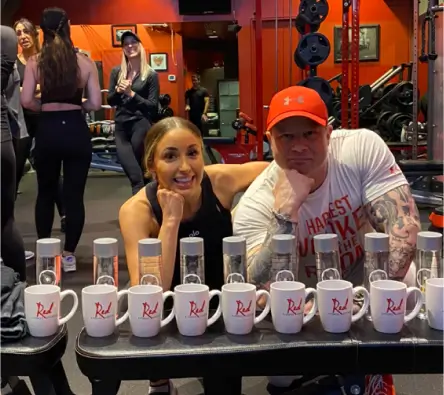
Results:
x,y
394,17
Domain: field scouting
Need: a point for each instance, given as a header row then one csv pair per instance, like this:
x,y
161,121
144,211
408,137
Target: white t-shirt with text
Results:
x,y
361,168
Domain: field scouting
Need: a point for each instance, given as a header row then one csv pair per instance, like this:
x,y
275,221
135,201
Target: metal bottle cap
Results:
x,y
105,247
234,245
326,242
376,242
192,246
429,241
150,247
48,247
283,244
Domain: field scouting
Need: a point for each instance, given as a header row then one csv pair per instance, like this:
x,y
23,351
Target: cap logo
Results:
x,y
288,100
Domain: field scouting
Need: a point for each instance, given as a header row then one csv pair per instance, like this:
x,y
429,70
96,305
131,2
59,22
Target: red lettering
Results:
x,y
292,308
101,312
326,218
332,211
339,207
347,202
337,307
148,311
359,217
42,312
392,308
345,228
303,248
241,309
310,227
319,225
347,244
195,310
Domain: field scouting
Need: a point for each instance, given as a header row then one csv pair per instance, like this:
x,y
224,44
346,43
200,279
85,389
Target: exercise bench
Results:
x,y
220,145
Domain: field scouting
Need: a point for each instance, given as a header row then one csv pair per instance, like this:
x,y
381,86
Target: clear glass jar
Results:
x,y
106,261
235,259
150,261
192,261
326,248
284,263
48,261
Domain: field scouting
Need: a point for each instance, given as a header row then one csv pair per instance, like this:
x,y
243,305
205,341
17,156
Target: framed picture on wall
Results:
x,y
369,43
159,61
118,30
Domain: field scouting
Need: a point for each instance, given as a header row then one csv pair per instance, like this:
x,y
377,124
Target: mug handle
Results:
x,y
156,280
267,307
218,312
330,274
170,317
65,319
124,317
419,303
230,278
314,308
287,272
379,272
365,306
422,286
192,276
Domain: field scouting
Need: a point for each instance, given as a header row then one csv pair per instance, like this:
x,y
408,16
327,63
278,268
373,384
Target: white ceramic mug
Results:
x,y
287,306
335,304
145,308
42,309
99,305
388,300
434,300
191,307
239,307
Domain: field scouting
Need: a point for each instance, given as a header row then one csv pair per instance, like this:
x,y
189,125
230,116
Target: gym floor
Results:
x,y
104,195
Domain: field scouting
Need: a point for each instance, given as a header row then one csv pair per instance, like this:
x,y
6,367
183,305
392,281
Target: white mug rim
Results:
x,y
287,286
99,289
238,287
145,289
194,288
341,285
435,282
42,289
388,285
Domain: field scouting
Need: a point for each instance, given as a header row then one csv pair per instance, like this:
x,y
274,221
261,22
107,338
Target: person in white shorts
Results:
x,y
345,182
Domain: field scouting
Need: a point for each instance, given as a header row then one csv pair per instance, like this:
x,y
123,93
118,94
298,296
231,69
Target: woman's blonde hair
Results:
x,y
145,68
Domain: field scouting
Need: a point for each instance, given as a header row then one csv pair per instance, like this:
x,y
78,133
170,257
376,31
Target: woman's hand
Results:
x,y
171,204
124,86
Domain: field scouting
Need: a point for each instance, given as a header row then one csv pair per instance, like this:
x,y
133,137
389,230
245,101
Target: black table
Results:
x,y
40,360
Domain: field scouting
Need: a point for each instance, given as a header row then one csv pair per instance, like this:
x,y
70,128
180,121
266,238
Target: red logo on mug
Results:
x,y
338,308
292,307
242,310
148,312
392,308
195,310
42,312
102,312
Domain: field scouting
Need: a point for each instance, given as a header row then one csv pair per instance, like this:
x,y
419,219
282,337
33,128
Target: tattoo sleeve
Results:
x,y
260,270
396,214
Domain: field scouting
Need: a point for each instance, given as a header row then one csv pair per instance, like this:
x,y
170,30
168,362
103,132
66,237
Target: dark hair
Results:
x,y
34,33
59,71
158,131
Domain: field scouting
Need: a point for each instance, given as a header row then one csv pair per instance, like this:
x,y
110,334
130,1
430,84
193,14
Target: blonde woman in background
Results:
x,y
134,91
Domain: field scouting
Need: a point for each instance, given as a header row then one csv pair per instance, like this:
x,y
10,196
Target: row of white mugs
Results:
x,y
332,299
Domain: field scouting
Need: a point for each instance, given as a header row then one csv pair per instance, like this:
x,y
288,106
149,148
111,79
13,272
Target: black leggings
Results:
x,y
13,251
130,138
63,137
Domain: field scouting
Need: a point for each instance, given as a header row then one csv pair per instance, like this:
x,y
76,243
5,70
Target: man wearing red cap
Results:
x,y
345,182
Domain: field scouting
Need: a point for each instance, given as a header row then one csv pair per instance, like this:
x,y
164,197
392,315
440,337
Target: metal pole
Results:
x,y
259,82
430,81
415,80
355,65
276,45
290,38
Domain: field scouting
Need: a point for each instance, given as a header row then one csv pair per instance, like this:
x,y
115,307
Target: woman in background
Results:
x,y
63,137
28,39
134,90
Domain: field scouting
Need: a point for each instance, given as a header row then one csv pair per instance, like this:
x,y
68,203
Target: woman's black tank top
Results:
x,y
212,222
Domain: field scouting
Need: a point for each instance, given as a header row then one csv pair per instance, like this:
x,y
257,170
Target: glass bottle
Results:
x,y
150,261
326,248
192,262
376,265
283,258
106,261
48,261
428,261
235,259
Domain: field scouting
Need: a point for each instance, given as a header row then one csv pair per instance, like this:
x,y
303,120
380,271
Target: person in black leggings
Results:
x,y
63,136
12,249
28,39
134,90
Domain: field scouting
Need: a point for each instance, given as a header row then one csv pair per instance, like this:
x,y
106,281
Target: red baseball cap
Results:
x,y
297,101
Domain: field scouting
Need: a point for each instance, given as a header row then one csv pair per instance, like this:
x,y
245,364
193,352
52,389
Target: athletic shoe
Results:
x,y
29,255
69,263
379,385
166,389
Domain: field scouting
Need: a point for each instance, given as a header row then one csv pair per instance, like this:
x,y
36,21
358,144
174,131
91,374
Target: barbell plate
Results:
x,y
302,23
404,93
313,49
321,86
314,10
365,96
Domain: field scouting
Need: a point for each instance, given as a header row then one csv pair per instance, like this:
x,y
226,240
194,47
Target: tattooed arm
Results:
x,y
396,214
